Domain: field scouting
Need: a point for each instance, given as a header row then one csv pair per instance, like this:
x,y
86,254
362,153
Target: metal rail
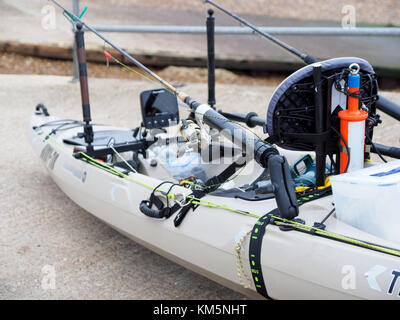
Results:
x,y
199,30
288,31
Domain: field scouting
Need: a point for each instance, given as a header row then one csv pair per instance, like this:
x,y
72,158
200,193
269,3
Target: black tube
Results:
x,y
211,57
389,107
251,119
249,142
392,152
319,125
80,42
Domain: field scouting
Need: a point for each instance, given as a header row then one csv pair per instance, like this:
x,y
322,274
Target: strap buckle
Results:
x,y
182,201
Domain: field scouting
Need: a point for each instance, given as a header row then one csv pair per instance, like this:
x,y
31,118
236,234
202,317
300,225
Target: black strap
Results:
x,y
213,183
256,238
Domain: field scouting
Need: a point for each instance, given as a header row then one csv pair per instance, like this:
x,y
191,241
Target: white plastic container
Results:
x,y
369,199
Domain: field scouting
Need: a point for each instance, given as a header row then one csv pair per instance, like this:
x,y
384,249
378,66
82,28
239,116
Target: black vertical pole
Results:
x,y
211,57
319,125
80,43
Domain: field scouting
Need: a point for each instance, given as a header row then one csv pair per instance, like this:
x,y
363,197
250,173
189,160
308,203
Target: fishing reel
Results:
x,y
196,135
191,133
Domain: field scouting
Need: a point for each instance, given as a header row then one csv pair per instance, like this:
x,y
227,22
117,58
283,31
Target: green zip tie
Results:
x,y
80,16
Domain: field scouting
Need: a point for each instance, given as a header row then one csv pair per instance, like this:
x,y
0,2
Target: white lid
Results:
x,y
381,174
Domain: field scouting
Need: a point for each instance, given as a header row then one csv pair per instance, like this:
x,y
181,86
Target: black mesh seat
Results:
x,y
291,110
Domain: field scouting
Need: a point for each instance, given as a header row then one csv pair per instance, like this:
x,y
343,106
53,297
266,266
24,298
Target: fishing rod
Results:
x,y
266,155
303,56
385,105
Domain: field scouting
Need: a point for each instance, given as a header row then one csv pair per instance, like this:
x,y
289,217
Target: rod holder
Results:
x,y
83,80
211,57
320,160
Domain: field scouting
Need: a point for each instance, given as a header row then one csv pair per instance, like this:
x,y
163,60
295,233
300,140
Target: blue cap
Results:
x,y
354,80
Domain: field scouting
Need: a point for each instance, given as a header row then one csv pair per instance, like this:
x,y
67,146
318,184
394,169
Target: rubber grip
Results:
x,y
152,213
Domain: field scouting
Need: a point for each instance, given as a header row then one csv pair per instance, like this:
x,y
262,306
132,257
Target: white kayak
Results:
x,y
296,260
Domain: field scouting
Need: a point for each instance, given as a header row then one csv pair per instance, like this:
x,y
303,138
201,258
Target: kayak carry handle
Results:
x,y
145,208
41,109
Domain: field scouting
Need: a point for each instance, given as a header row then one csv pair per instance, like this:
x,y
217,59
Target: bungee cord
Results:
x,y
276,220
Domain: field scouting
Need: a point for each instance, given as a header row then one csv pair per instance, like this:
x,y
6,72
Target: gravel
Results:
x,y
11,63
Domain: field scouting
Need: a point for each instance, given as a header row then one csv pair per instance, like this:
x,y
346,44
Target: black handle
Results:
x,y
43,109
152,213
389,107
283,187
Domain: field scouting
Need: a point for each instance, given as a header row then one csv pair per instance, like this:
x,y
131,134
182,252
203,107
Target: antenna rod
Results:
x,y
306,58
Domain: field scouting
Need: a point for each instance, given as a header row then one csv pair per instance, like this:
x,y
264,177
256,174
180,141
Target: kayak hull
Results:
x,y
295,265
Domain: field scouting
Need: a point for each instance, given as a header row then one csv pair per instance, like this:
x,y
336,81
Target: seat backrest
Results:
x,y
295,98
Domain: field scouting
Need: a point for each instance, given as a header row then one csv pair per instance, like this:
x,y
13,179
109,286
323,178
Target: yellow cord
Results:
x,y
239,262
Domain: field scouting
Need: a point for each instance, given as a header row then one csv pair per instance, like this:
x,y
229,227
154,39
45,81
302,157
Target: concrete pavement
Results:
x,y
41,228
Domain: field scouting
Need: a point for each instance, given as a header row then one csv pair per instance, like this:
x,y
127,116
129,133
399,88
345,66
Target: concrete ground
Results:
x,y
42,230
22,21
